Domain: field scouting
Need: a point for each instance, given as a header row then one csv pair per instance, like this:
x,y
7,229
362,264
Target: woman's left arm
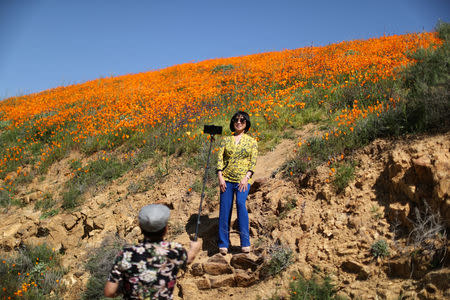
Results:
x,y
253,156
243,185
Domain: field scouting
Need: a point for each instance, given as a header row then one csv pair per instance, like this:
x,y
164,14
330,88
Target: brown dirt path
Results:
x,y
271,161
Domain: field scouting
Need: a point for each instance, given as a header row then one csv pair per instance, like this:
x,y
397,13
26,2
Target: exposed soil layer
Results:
x,y
398,186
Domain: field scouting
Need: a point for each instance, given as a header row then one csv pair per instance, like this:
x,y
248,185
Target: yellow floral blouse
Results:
x,y
235,160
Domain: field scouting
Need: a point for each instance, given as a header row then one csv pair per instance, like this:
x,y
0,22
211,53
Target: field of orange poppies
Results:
x,y
347,81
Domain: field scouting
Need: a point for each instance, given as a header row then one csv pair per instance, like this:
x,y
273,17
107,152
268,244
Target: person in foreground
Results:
x,y
236,162
149,269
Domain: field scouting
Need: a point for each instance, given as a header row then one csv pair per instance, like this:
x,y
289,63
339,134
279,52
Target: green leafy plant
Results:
x,y
380,248
316,289
49,213
45,203
286,207
280,257
136,187
375,211
345,172
162,170
313,289
175,229
197,186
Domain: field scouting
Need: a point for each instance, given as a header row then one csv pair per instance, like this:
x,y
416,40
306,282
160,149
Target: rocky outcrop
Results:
x,y
416,176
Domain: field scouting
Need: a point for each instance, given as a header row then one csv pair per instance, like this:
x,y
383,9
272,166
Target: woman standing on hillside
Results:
x,y
236,162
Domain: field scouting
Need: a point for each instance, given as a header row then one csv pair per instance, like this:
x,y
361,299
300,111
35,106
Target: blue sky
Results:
x,y
45,44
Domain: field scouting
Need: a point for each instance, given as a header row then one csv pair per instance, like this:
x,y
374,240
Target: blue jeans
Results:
x,y
226,208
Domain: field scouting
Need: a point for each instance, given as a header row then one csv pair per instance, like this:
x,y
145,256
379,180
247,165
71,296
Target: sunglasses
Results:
x,y
240,120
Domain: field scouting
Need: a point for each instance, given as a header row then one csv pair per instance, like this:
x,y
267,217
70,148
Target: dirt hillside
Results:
x,y
329,233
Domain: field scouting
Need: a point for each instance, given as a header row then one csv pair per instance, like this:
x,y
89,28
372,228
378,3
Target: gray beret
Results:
x,y
154,217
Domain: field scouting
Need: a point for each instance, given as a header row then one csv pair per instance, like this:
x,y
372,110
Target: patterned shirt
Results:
x,y
149,269
235,160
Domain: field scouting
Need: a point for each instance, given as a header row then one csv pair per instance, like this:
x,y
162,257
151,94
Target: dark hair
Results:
x,y
245,116
155,236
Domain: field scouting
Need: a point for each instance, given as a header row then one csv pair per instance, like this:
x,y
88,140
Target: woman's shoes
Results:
x,y
224,251
245,249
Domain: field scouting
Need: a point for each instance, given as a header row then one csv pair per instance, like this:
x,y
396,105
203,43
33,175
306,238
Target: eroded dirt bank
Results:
x,y
329,233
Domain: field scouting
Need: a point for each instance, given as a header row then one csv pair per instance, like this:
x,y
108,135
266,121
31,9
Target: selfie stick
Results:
x,y
211,130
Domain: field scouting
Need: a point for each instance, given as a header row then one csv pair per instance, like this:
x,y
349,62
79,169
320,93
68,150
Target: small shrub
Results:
x,y
146,152
308,157
280,259
313,289
99,265
71,197
380,249
45,203
49,213
106,169
6,197
211,193
197,186
429,234
175,229
345,172
162,169
286,207
301,288
375,211
135,187
261,242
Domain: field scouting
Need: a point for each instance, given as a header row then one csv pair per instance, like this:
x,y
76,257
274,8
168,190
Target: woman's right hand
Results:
x,y
222,183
